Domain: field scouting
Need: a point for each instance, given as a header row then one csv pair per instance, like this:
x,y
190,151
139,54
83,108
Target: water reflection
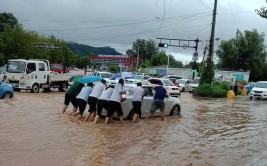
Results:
x,y
209,132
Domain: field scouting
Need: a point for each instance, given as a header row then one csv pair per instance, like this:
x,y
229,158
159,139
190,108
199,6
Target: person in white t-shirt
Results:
x,y
82,98
138,96
93,97
115,102
103,101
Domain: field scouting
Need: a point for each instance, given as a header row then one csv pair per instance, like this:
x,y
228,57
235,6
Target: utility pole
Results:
x,y
207,75
212,32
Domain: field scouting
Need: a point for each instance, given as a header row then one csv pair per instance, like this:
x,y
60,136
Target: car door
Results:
x,y
186,85
148,99
168,105
2,91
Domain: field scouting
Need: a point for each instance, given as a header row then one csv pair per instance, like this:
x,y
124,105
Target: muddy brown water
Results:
x,y
209,132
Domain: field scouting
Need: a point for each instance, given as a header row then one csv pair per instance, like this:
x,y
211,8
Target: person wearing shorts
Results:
x,y
138,96
93,97
82,98
103,101
115,102
158,102
70,96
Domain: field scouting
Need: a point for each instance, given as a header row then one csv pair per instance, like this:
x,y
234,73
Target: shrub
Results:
x,y
218,92
224,85
239,91
203,90
243,82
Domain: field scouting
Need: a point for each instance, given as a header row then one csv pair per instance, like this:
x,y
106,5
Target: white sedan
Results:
x,y
172,104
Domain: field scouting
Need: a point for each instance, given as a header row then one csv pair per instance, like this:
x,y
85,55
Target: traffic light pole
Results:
x,y
181,43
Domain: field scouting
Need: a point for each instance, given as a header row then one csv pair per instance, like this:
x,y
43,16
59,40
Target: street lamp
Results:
x,y
137,61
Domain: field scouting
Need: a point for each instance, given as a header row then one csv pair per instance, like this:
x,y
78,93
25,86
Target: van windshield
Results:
x,y
16,67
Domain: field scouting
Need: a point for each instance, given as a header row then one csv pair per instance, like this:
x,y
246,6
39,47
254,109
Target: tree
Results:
x,y
174,63
145,48
262,12
246,52
227,54
158,59
7,19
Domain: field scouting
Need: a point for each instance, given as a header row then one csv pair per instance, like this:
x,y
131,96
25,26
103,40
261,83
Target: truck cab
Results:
x,y
31,75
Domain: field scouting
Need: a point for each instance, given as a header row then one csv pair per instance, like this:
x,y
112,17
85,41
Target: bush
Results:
x,y
203,90
218,92
243,82
239,91
224,85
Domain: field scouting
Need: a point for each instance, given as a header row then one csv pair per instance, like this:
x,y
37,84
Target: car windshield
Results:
x,y
261,85
138,77
106,75
16,67
168,83
181,81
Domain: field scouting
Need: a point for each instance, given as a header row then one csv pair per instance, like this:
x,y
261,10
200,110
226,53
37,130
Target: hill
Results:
x,y
83,50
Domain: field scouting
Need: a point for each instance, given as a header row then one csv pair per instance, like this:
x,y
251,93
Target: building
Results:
x,y
187,73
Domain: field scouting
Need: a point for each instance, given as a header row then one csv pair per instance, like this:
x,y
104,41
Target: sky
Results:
x,y
118,23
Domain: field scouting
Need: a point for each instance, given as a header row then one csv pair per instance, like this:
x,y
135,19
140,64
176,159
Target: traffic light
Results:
x,y
165,45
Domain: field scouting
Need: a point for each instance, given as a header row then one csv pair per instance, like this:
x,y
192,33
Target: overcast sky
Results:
x,y
118,23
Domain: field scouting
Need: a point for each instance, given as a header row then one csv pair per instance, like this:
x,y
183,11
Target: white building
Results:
x,y
187,73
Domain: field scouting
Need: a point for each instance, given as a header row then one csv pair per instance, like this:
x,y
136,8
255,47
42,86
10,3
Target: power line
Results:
x,y
124,24
205,5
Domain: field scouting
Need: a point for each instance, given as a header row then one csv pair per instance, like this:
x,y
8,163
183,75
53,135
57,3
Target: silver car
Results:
x,y
172,104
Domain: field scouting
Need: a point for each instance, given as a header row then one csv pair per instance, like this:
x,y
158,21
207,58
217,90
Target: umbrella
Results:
x,y
124,75
88,79
74,78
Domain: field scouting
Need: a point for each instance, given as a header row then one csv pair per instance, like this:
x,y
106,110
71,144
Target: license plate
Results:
x,y
257,95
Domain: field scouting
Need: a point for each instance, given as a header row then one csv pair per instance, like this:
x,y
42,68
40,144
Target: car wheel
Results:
x,y
35,88
183,89
8,95
175,110
63,87
250,98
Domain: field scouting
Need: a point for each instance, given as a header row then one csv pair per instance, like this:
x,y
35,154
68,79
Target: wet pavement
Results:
x,y
209,132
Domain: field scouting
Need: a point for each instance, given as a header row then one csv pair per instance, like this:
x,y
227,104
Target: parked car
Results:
x,y
171,88
173,76
194,84
6,90
183,84
138,78
104,75
259,90
172,104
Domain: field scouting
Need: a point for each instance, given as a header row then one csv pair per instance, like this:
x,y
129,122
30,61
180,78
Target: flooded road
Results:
x,y
209,132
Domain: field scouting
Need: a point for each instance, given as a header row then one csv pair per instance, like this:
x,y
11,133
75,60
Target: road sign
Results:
x,y
184,46
195,56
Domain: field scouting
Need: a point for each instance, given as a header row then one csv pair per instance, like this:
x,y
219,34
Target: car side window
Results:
x,y
148,91
156,82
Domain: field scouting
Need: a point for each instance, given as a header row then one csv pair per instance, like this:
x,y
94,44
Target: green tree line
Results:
x,y
246,52
15,42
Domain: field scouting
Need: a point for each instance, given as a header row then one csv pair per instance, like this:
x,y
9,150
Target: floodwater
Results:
x,y
211,132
